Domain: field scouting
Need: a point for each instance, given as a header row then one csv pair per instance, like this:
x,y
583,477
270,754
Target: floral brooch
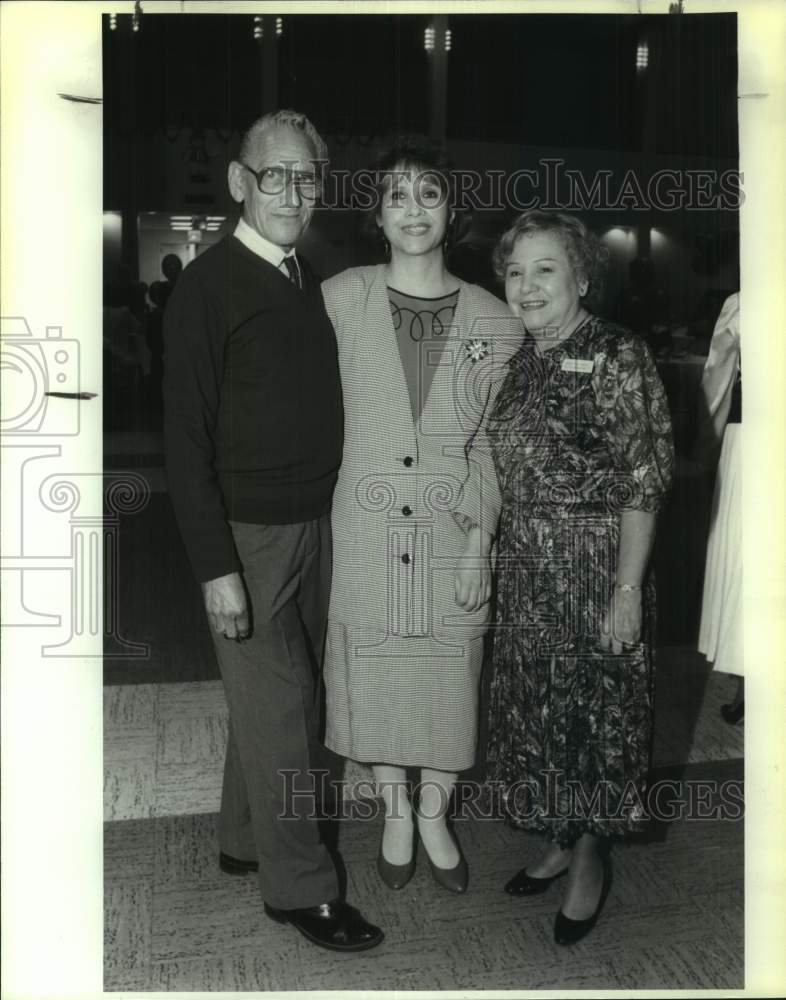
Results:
x,y
476,349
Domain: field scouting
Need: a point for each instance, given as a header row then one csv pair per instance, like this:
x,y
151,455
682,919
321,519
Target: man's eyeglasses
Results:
x,y
273,180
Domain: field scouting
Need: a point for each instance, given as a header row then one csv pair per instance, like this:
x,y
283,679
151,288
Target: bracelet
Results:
x,y
625,586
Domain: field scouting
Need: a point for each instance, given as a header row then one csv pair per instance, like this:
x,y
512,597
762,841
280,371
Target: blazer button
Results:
x,y
408,461
406,510
405,558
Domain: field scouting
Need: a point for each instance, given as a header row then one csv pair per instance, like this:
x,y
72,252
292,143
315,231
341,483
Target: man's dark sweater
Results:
x,y
253,413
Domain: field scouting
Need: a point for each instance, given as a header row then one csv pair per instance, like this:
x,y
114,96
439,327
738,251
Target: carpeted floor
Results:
x,y
673,919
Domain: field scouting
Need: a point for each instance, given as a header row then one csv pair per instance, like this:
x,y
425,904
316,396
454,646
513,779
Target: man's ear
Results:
x,y
235,180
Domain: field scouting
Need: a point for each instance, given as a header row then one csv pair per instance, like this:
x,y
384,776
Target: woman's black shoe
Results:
x,y
732,714
453,879
523,884
567,931
395,876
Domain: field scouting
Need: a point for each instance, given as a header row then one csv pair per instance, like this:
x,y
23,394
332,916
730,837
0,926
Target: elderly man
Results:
x,y
253,428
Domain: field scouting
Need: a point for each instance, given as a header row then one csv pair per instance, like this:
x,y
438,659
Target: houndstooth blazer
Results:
x,y
395,540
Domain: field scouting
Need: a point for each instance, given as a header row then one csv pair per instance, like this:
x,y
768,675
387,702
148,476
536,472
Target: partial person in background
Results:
x,y
126,358
644,305
720,629
154,337
582,441
171,268
158,293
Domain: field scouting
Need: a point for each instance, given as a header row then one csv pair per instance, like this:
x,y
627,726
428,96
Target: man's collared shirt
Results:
x,y
263,248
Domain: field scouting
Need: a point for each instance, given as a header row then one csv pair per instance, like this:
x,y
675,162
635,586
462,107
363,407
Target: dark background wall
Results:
x,y
512,91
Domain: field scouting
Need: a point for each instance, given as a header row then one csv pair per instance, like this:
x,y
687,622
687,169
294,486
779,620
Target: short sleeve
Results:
x,y
637,424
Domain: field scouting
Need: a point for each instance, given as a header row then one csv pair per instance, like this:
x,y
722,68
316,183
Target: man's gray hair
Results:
x,y
291,119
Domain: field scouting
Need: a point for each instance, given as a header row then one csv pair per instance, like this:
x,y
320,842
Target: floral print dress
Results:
x,y
579,434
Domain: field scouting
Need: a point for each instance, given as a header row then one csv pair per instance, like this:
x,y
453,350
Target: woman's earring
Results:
x,y
383,241
583,287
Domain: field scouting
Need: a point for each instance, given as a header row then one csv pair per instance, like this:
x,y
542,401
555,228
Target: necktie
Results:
x,y
292,270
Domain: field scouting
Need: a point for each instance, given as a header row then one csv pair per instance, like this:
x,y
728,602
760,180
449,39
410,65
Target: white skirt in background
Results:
x,y
720,630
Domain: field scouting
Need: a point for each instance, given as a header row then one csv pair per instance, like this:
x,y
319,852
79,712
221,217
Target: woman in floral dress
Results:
x,y
582,444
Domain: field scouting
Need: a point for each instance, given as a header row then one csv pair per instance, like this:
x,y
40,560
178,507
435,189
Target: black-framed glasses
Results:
x,y
273,180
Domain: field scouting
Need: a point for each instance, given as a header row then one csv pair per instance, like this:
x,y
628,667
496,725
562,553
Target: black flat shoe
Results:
x,y
234,866
523,884
567,931
395,876
335,925
731,714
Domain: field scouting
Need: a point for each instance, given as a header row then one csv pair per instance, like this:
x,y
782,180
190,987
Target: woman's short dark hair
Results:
x,y
587,255
421,156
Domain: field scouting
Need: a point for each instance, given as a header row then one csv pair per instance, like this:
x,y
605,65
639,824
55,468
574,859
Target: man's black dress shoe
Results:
x,y
335,925
234,866
523,884
567,931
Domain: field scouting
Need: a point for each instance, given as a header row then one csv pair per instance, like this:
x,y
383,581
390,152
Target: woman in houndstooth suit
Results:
x,y
415,510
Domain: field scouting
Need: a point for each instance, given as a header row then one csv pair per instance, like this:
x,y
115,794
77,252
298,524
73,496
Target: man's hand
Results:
x,y
472,577
227,608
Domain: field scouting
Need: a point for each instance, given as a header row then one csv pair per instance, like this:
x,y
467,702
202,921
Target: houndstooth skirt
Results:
x,y
405,701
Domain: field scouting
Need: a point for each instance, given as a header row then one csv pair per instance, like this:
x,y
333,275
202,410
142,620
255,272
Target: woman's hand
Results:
x,y
473,585
472,576
622,621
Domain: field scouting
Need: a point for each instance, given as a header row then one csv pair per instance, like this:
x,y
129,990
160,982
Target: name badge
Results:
x,y
582,365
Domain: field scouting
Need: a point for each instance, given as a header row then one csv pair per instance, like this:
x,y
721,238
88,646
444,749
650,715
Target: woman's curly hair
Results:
x,y
587,255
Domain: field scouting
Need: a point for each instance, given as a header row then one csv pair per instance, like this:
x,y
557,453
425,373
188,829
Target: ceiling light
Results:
x,y
642,55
